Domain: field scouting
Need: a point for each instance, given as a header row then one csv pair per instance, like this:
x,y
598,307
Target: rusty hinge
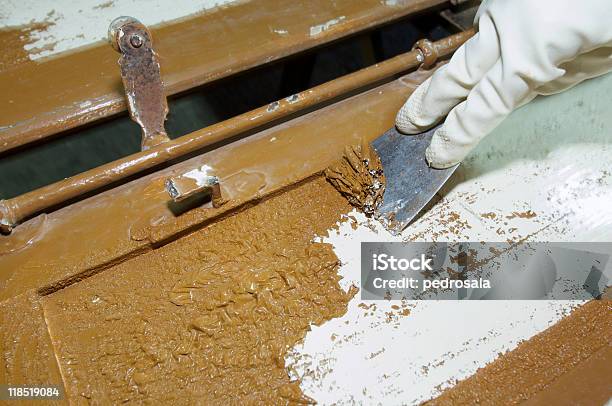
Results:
x,y
141,76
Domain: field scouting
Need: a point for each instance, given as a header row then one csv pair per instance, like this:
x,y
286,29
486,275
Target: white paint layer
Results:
x,y
76,23
320,28
201,175
376,353
553,158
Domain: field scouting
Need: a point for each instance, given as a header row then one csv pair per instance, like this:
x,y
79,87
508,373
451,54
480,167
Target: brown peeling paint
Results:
x,y
12,43
523,215
208,318
577,345
359,176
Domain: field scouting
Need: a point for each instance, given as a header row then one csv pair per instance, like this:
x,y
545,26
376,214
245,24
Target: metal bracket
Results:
x,y
141,76
194,182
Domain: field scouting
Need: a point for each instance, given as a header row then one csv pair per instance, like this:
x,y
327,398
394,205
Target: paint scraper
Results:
x,y
410,182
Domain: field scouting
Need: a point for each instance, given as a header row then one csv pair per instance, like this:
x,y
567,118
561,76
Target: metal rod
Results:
x,y
13,211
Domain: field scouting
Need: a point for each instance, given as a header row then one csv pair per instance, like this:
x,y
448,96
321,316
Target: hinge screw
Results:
x,y
136,41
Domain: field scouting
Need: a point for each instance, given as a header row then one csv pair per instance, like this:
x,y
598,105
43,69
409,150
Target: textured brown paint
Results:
x,y
576,350
57,96
12,211
209,318
359,177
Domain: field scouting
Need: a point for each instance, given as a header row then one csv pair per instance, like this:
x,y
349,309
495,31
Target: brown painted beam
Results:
x,y
40,99
569,363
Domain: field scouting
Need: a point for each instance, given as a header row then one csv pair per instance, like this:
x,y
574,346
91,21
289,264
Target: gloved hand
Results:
x,y
523,48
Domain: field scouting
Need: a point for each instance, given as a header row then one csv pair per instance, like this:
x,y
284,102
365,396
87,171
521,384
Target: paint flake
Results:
x,y
319,29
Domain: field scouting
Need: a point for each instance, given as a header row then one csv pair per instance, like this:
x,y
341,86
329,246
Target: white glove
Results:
x,y
523,48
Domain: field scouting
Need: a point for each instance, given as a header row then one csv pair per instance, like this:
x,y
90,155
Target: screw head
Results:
x,y
115,30
136,41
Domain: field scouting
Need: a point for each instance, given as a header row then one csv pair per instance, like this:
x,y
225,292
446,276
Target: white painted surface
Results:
x,y
553,157
321,28
77,23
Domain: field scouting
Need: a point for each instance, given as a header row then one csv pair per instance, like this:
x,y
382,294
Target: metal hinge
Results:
x,y
147,102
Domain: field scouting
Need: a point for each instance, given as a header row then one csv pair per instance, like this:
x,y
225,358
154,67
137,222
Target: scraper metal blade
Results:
x,y
410,182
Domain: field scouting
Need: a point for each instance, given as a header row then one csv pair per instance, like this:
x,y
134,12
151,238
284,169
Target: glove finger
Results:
x,y
450,84
486,106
